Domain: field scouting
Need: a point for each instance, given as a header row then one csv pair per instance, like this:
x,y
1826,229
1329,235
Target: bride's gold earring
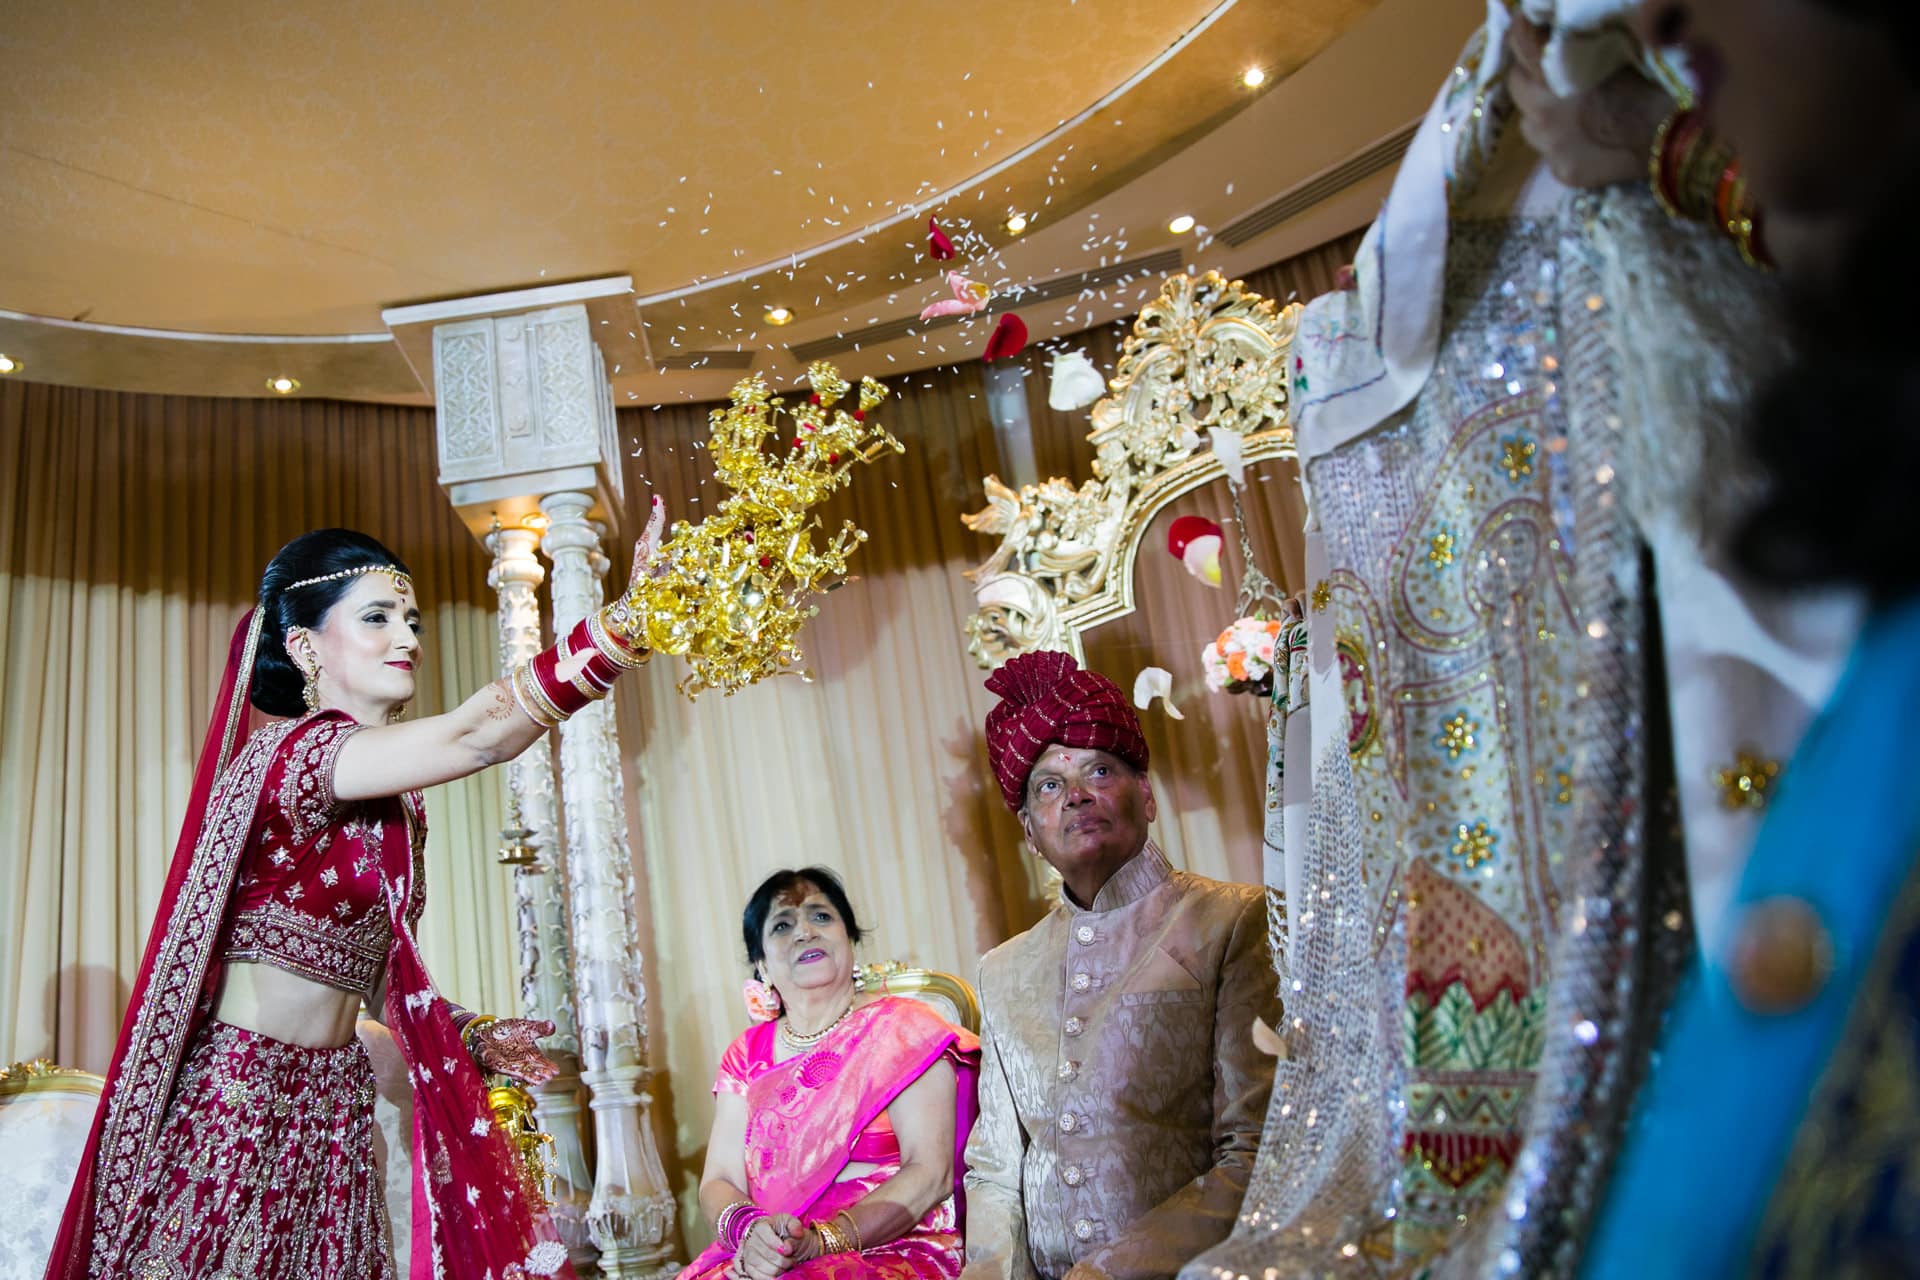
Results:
x,y
310,668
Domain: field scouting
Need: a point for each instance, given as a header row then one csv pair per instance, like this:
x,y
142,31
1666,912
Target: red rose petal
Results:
x,y
1009,337
939,247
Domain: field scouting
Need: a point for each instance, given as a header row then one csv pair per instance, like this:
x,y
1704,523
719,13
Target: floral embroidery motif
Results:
x,y
1322,595
1456,735
1745,783
1440,548
329,877
1516,457
1474,844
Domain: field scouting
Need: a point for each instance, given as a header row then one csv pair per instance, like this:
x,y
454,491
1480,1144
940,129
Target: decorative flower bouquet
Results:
x,y
1241,660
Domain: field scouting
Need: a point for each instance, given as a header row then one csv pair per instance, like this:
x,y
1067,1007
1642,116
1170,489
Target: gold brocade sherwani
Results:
x,y
1121,1096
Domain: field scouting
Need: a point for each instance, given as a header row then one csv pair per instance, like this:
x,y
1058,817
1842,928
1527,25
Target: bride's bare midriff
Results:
x,y
285,1006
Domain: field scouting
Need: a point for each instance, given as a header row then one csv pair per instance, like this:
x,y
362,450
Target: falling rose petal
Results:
x,y
1226,447
938,246
1268,1041
1076,383
1155,682
1008,338
1185,529
1202,558
968,297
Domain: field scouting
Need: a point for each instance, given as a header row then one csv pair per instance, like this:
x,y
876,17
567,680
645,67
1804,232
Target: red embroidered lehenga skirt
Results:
x,y
264,1168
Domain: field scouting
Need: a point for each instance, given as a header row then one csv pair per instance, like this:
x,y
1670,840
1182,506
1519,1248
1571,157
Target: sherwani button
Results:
x,y
1068,1122
1068,1070
1072,1175
1782,955
1083,1229
1085,934
1073,1026
1082,981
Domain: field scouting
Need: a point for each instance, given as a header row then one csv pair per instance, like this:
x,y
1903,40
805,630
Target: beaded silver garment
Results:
x,y
1483,821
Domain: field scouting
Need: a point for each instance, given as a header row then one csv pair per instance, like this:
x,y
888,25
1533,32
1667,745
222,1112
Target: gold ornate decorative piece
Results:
x,y
895,978
43,1075
517,849
730,593
1206,356
513,1108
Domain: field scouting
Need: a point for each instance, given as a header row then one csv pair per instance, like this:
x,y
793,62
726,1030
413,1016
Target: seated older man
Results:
x,y
1121,1095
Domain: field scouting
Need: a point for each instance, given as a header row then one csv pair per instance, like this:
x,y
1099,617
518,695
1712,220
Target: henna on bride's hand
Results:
x,y
508,1047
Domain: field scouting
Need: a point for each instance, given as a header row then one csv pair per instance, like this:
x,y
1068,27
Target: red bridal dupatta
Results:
x,y
808,1115
471,1218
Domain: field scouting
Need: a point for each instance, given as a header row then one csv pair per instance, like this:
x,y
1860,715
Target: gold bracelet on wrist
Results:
x,y
853,1230
533,699
479,1022
611,641
831,1238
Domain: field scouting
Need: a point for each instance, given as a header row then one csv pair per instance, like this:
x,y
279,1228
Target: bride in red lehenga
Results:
x,y
234,1139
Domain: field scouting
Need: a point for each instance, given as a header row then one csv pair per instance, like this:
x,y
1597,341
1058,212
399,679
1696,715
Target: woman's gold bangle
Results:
x,y
479,1023
853,1229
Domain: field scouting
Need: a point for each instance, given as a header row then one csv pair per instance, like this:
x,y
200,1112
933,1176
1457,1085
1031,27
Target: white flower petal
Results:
x,y
1155,682
1226,447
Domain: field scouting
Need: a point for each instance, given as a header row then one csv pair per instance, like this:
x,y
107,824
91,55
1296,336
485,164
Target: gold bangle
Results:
x,y
831,1240
1654,159
480,1022
853,1230
588,689
609,644
527,685
531,706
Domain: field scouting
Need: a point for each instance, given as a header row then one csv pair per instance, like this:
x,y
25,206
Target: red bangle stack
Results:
x,y
1699,180
547,699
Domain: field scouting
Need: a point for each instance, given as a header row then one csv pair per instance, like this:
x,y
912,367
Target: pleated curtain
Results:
x,y
132,533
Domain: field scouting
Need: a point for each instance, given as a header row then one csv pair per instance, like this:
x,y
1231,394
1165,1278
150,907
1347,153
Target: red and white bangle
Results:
x,y
547,699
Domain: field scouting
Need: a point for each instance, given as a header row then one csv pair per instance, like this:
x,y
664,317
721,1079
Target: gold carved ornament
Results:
x,y
731,593
1205,357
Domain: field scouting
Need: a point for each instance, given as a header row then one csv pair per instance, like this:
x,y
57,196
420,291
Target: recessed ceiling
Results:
x,y
232,169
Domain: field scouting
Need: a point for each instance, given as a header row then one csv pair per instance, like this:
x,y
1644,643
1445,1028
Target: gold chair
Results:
x,y
46,1112
952,997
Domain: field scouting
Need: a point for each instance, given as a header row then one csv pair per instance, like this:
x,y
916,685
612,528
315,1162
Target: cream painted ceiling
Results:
x,y
236,168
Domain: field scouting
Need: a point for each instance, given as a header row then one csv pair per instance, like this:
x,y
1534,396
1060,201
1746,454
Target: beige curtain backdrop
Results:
x,y
133,530
879,769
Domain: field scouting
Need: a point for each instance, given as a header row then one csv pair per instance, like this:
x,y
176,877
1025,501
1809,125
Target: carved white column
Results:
x,y
546,950
631,1217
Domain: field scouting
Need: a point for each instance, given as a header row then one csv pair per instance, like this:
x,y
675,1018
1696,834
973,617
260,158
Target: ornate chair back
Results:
x,y
45,1114
952,997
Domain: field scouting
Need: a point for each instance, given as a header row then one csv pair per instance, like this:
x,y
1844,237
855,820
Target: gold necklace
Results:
x,y
801,1041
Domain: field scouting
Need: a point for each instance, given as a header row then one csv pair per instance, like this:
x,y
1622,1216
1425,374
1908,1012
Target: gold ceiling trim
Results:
x,y
1206,355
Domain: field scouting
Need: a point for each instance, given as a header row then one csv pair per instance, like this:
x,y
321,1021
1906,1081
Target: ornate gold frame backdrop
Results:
x,y
1206,357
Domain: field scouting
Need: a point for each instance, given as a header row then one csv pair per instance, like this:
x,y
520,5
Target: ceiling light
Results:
x,y
1017,223
779,315
9,365
1181,225
282,385
1253,77
535,520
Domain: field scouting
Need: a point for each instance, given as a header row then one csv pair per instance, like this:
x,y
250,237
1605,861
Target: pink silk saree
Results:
x,y
814,1114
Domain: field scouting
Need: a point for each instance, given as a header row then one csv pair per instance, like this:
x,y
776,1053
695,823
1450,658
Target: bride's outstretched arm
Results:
x,y
494,725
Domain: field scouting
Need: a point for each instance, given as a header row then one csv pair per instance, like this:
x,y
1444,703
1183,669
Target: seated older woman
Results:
x,y
838,1123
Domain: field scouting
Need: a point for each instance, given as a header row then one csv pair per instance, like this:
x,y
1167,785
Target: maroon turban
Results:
x,y
1045,698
